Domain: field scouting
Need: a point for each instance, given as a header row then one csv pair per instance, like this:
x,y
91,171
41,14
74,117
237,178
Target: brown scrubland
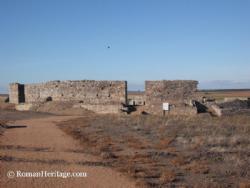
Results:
x,y
137,150
176,151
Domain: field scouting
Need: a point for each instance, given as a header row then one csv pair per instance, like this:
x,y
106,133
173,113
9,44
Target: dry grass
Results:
x,y
197,167
178,161
245,184
167,177
3,122
2,126
169,151
165,142
222,94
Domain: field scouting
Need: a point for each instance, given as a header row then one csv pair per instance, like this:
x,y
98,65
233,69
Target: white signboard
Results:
x,y
165,106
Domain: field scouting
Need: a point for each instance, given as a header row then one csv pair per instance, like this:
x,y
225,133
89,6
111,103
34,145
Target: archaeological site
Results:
x,y
110,96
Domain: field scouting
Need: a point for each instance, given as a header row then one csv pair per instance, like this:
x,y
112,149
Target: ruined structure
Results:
x,y
136,98
178,93
229,108
108,96
15,96
90,94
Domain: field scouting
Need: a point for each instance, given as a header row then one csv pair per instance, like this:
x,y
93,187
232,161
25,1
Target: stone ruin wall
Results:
x,y
177,92
91,94
137,99
86,91
15,96
13,93
107,96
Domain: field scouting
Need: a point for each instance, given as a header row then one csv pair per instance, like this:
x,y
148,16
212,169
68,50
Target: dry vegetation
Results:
x,y
2,126
173,151
227,93
64,108
4,105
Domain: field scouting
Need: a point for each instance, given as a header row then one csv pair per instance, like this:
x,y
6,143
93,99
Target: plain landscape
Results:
x,y
125,94
139,150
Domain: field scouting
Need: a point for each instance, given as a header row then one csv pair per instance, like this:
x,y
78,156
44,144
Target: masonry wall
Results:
x,y
13,93
85,92
102,96
16,93
136,98
177,92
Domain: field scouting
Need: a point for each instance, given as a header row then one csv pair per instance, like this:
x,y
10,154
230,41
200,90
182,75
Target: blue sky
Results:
x,y
204,40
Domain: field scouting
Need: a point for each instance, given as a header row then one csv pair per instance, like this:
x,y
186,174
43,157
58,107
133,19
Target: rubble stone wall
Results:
x,y
137,99
177,93
85,92
16,93
13,93
100,96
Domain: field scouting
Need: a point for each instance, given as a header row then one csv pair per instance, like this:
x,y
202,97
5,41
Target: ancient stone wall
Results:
x,y
177,93
100,96
16,93
85,92
136,98
13,93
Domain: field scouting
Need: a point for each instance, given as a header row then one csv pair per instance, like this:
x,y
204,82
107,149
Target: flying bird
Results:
x,y
108,47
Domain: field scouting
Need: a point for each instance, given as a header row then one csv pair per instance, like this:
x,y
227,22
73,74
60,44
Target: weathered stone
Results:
x,y
136,98
24,107
107,96
16,94
87,92
177,93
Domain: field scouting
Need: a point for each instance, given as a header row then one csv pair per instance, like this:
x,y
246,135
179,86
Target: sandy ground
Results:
x,y
42,146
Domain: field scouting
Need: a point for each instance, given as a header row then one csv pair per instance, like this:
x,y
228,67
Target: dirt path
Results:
x,y
42,146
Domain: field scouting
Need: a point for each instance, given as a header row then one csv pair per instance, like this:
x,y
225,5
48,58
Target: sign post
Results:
x,y
165,107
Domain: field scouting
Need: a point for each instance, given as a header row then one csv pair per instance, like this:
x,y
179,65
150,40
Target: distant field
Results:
x,y
217,94
4,95
136,92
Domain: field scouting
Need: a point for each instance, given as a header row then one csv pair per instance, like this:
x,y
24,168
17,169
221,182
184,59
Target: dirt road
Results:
x,y
40,147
